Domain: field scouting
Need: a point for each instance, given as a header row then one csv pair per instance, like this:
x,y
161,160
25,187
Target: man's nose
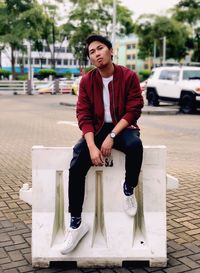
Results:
x,y
97,53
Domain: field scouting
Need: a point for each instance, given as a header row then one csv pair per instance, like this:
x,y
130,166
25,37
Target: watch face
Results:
x,y
112,135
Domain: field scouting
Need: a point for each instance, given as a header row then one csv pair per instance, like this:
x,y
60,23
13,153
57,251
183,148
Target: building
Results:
x,y
65,61
126,53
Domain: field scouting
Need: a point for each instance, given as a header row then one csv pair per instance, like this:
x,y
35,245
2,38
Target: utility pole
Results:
x,y
164,50
154,53
114,27
30,71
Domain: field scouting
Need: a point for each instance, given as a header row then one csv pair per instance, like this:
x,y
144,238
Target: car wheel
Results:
x,y
152,98
187,105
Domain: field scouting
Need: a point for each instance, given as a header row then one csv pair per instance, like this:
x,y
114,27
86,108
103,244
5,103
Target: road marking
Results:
x,y
72,123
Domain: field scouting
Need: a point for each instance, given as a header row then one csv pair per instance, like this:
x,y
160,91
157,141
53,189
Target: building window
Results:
x,y
131,46
128,57
62,49
26,60
65,61
37,61
43,61
49,61
69,50
70,62
58,61
57,49
46,49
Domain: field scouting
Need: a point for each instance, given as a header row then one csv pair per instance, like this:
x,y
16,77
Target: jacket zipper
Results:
x,y
113,100
103,118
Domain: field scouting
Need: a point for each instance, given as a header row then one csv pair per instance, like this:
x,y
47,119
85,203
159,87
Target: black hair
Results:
x,y
99,38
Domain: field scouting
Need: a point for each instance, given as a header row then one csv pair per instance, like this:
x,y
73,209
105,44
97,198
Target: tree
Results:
x,y
87,17
154,28
19,20
188,12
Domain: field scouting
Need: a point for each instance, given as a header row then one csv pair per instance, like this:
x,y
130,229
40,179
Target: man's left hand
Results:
x,y
106,146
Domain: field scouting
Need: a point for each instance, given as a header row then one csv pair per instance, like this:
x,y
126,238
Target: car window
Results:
x,y
173,75
191,74
169,75
163,75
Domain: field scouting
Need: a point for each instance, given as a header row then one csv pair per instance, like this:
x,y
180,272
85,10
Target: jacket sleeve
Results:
x,y
84,110
134,102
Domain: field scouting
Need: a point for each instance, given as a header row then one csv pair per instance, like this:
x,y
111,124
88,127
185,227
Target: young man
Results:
x,y
108,107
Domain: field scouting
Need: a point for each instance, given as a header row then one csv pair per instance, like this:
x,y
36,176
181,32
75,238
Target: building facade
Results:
x,y
65,62
126,53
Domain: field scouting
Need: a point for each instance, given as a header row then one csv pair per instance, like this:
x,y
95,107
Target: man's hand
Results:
x,y
96,156
106,146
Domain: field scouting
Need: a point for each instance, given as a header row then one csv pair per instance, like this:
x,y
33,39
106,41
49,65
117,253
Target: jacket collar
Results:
x,y
116,74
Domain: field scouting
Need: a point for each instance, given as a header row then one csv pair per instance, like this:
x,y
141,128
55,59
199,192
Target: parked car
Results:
x,y
45,88
75,86
180,84
65,86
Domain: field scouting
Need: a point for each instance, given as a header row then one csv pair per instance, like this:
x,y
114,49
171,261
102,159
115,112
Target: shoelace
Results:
x,y
130,202
68,236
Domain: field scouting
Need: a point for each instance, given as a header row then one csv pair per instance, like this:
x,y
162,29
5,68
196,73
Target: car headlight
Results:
x,y
197,89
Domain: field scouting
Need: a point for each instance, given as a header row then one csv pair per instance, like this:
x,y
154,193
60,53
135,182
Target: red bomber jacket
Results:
x,y
126,99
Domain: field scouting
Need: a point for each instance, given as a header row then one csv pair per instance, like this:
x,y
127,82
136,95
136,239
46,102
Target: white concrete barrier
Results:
x,y
113,237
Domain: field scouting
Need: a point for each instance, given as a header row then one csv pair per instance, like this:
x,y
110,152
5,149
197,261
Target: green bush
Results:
x,y
88,68
47,72
144,74
22,77
4,73
68,75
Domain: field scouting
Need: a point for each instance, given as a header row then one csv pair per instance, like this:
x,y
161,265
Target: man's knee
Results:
x,y
135,145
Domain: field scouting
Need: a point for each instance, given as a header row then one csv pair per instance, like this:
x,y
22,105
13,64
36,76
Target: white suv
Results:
x,y
179,84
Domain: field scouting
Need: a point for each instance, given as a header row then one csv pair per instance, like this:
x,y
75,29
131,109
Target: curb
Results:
x,y
147,110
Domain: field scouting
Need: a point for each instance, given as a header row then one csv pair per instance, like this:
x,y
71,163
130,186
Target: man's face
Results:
x,y
100,55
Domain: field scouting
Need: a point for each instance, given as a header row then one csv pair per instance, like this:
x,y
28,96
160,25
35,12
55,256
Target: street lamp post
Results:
x,y
164,50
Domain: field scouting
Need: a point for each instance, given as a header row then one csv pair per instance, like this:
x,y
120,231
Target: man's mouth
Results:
x,y
99,60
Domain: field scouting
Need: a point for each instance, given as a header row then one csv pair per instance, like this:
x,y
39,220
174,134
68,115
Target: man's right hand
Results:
x,y
96,156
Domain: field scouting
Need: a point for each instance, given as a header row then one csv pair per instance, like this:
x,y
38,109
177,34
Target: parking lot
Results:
x,y
41,120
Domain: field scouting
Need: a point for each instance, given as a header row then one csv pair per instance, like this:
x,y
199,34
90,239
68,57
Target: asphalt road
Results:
x,y
41,120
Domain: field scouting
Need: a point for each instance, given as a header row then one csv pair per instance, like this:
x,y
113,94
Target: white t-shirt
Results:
x,y
106,99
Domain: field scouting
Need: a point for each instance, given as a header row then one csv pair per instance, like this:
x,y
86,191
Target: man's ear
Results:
x,y
111,52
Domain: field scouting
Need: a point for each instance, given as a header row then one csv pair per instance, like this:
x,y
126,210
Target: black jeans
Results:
x,y
127,141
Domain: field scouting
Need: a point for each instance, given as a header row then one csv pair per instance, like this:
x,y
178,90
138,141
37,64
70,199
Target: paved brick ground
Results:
x,y
33,120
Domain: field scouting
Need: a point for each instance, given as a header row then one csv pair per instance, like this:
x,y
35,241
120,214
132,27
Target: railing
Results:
x,y
25,87
13,87
37,85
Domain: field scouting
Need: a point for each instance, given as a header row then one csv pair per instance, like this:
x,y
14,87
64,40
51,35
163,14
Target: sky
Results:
x,y
149,6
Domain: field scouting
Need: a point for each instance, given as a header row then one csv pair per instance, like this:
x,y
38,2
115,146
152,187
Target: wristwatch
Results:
x,y
112,135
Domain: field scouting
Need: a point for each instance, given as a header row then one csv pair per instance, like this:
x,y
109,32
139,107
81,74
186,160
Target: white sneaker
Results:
x,y
73,236
130,203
